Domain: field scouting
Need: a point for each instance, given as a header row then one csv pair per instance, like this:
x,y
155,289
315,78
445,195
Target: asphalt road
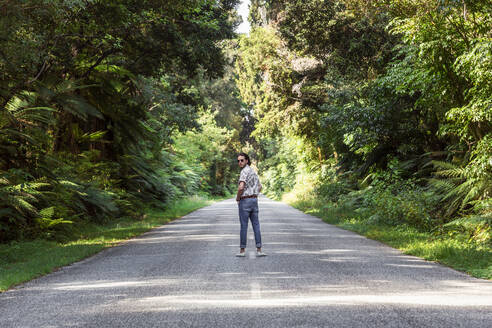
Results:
x,y
185,274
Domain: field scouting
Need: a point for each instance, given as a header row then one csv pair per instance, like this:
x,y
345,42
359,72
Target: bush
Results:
x,y
332,191
387,198
411,207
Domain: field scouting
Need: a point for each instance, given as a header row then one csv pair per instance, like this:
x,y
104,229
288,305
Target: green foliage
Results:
x,y
207,158
349,36
91,93
332,191
476,228
408,207
474,119
44,207
394,97
264,79
18,205
279,165
470,186
385,198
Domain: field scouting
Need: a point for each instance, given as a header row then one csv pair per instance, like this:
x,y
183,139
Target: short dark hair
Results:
x,y
246,157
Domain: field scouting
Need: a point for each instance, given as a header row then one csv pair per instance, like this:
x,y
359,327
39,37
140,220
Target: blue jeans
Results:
x,y
248,210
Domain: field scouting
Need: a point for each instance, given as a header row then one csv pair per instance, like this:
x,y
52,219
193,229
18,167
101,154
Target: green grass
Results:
x,y
25,260
455,251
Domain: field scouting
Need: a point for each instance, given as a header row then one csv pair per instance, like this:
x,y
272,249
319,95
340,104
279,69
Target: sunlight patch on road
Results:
x,y
183,238
416,266
344,259
260,301
311,252
116,284
255,290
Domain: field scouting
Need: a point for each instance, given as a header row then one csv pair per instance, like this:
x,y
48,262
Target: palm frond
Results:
x,y
78,107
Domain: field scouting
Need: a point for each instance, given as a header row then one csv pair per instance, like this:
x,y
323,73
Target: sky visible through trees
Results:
x,y
243,11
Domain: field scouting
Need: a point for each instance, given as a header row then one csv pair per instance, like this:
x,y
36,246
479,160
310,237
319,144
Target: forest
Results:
x,y
376,111
379,109
109,107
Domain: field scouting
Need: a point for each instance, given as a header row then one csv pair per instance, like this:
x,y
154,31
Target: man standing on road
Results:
x,y
247,199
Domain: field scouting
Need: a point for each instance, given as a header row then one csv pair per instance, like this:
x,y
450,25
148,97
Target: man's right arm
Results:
x,y
240,190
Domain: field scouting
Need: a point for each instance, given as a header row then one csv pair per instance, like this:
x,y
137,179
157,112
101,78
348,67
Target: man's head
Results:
x,y
243,159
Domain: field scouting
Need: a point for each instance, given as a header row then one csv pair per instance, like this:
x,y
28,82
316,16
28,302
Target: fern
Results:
x,y
87,199
462,187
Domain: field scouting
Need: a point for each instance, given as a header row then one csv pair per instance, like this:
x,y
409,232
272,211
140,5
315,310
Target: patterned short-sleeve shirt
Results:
x,y
251,180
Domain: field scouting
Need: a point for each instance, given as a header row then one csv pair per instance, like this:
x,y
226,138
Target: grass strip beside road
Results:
x,y
455,251
25,260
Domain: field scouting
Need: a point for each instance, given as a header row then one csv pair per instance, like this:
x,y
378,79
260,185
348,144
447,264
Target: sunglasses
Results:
x,y
240,160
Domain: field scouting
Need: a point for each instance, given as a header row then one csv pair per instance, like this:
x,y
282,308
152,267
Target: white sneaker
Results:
x,y
243,254
260,254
